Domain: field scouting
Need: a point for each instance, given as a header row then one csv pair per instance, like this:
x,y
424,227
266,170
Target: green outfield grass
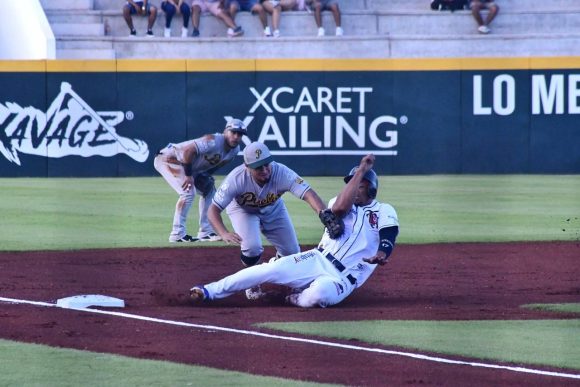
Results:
x,y
38,365
553,343
560,308
45,214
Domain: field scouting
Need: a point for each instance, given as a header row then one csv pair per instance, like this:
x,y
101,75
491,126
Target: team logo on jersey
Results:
x,y
303,257
250,199
213,159
70,127
373,218
299,180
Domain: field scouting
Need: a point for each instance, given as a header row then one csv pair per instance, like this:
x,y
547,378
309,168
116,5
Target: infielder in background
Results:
x,y
251,193
188,167
326,275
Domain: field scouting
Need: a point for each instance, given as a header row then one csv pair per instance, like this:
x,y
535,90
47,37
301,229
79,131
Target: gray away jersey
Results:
x,y
211,152
240,190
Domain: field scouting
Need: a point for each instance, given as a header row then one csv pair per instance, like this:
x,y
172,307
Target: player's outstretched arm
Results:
x,y
312,198
345,198
214,215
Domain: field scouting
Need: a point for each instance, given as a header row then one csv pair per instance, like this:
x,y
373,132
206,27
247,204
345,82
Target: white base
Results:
x,y
86,300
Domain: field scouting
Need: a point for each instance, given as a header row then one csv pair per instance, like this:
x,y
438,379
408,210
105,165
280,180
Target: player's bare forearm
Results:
x,y
345,198
312,198
189,153
215,218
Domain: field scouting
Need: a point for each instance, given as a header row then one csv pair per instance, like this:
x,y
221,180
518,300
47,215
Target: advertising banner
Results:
x,y
108,118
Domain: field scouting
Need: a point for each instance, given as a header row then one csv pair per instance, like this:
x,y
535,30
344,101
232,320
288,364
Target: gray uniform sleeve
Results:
x,y
293,183
226,191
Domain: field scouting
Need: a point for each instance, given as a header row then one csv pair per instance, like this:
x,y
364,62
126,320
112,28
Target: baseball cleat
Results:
x,y
198,293
255,293
213,237
185,238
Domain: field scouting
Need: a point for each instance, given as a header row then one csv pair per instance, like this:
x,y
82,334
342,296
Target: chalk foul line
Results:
x,y
298,339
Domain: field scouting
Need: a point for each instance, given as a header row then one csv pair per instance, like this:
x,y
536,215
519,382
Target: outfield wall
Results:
x,y
108,118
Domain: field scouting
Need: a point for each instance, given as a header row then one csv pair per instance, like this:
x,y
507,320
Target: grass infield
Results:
x,y
553,343
55,214
38,365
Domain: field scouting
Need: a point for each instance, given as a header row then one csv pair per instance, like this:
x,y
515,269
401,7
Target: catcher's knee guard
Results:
x,y
250,261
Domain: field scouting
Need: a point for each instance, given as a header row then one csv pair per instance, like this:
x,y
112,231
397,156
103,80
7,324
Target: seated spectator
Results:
x,y
274,8
327,5
295,5
216,8
476,7
253,6
143,8
171,7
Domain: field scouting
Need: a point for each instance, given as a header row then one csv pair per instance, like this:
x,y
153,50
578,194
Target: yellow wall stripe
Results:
x,y
25,66
251,65
80,66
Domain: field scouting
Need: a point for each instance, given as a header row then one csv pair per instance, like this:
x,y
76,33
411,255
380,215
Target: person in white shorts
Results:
x,y
252,196
187,167
326,275
476,7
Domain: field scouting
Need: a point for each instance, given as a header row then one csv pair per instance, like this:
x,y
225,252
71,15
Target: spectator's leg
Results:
x,y
476,12
225,17
233,10
195,16
276,17
259,10
335,13
318,13
275,12
186,13
127,16
169,10
152,17
492,13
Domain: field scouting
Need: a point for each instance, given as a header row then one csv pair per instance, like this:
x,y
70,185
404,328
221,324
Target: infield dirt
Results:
x,y
422,282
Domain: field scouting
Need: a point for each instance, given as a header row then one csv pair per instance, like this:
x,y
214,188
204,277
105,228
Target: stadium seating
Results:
x,y
95,29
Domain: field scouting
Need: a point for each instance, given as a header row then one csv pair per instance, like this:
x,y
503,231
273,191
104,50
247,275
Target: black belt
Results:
x,y
339,266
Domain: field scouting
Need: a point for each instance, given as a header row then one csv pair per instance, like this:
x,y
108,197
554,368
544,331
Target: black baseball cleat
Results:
x,y
185,238
213,237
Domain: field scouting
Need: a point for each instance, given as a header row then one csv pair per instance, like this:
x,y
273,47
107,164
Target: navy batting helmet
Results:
x,y
236,125
370,176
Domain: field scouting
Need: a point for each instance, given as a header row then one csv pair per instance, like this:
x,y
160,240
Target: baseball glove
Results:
x,y
204,183
334,225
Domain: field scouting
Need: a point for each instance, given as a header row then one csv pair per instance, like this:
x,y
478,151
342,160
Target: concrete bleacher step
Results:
x,y
413,46
462,22
373,29
78,29
67,4
82,54
74,16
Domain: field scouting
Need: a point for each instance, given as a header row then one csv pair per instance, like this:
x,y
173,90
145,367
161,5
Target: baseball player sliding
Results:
x,y
363,236
188,167
251,195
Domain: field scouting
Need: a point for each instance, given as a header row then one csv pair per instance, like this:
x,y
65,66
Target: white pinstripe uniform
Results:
x,y
253,209
313,274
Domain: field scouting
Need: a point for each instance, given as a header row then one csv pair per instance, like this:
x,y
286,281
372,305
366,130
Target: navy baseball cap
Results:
x,y
257,154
